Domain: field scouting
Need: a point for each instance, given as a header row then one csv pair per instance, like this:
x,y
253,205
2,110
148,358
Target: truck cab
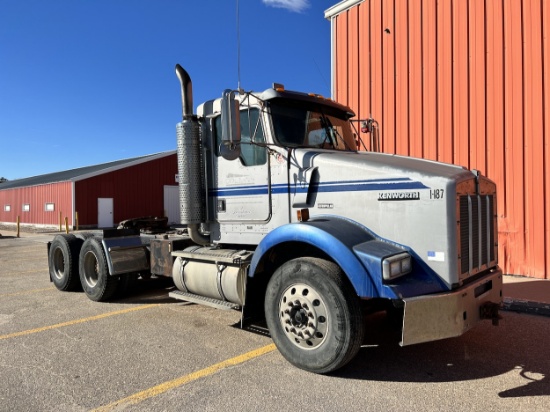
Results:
x,y
258,187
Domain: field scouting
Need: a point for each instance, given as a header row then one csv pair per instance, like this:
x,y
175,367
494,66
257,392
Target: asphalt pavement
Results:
x,y
59,351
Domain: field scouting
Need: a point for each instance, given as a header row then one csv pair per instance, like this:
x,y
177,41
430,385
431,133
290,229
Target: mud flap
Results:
x,y
126,255
446,315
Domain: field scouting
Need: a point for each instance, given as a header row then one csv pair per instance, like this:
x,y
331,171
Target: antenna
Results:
x,y
238,49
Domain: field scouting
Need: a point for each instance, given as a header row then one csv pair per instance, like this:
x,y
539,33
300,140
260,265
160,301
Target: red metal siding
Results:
x,y
60,194
136,191
464,82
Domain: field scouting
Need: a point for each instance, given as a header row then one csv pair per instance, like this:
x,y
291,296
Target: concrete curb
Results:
x,y
526,306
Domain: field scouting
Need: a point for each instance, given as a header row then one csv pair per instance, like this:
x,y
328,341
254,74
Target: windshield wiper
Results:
x,y
329,131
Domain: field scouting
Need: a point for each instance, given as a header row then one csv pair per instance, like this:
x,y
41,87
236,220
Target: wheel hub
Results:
x,y
58,264
303,316
91,269
298,316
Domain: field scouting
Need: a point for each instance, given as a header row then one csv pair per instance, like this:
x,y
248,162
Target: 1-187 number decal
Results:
x,y
436,194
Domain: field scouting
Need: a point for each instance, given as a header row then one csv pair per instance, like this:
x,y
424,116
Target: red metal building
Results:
x,y
464,82
100,195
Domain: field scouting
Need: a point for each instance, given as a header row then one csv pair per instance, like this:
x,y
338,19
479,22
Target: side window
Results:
x,y
253,151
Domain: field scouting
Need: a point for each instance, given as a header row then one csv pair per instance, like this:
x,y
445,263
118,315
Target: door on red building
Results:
x,y
105,212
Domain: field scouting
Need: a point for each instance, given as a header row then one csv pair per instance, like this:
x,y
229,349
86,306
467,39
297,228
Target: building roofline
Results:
x,y
130,163
341,7
81,173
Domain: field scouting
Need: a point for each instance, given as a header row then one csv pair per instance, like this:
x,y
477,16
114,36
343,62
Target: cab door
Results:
x,y
242,187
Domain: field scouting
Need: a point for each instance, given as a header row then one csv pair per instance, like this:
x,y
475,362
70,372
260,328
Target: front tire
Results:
x,y
314,315
94,271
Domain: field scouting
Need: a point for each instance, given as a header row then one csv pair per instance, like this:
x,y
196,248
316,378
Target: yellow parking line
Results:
x,y
22,261
11,274
25,257
166,386
76,321
2,295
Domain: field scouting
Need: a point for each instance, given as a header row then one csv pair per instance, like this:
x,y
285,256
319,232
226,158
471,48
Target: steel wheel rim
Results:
x,y
303,315
58,264
91,269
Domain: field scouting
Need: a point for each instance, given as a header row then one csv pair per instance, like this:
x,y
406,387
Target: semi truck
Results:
x,y
290,223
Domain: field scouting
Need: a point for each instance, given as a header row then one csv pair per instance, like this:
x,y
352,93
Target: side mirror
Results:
x,y
230,148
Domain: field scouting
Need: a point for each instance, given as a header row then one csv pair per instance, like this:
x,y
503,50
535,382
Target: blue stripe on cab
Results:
x,y
325,187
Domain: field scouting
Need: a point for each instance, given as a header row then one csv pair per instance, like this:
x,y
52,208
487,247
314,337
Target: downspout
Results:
x,y
73,207
332,58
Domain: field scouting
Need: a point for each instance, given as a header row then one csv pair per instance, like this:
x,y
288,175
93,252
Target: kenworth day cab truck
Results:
x,y
288,222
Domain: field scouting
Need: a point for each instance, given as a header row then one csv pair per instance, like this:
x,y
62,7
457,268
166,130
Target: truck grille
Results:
x,y
477,234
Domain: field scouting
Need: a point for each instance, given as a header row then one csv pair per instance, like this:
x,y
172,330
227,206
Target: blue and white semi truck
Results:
x,y
289,222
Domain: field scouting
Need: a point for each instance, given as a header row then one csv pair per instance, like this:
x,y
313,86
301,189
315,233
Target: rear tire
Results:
x,y
94,272
63,262
314,315
84,235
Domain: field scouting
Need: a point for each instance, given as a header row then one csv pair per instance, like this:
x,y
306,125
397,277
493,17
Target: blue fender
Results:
x,y
336,236
359,253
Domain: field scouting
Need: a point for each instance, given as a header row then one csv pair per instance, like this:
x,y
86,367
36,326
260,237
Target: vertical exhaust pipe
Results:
x,y
191,184
186,92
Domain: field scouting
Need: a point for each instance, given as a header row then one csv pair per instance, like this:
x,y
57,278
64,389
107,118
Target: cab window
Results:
x,y
253,151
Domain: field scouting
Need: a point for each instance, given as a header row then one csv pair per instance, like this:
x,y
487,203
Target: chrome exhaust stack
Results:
x,y
191,177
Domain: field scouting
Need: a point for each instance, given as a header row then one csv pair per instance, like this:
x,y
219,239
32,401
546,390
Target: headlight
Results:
x,y
396,265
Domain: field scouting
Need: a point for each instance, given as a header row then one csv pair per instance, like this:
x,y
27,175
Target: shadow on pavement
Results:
x,y
520,343
147,291
528,289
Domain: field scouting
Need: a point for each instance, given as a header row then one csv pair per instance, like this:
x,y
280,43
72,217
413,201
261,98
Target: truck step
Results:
x,y
202,300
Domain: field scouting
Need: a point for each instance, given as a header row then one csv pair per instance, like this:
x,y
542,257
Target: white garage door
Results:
x,y
172,204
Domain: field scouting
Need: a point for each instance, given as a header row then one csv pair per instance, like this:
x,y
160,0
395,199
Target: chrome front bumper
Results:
x,y
450,314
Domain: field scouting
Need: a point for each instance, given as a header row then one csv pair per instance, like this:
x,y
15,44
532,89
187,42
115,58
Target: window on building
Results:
x,y
26,207
7,208
49,207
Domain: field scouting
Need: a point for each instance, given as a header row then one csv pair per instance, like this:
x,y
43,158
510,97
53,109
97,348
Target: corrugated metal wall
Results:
x,y
60,194
136,191
464,82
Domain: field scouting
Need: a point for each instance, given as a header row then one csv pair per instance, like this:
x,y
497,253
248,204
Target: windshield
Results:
x,y
302,124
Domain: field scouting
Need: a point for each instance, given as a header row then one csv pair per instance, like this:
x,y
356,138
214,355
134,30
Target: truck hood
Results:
x,y
410,201
364,165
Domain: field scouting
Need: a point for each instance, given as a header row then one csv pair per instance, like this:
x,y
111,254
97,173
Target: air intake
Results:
x,y
477,234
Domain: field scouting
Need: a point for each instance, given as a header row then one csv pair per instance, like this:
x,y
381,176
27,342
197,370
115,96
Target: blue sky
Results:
x,y
85,82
